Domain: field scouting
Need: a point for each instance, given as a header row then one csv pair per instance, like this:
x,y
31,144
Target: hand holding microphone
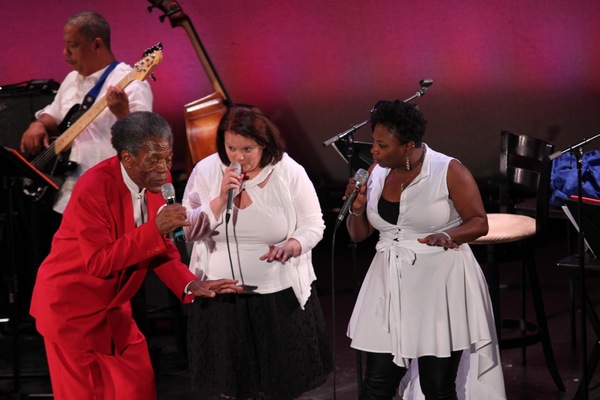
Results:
x,y
171,219
360,178
229,211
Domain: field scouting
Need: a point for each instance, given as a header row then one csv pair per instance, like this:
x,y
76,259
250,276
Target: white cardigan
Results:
x,y
304,217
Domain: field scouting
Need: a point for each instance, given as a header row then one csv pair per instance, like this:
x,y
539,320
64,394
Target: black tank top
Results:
x,y
388,210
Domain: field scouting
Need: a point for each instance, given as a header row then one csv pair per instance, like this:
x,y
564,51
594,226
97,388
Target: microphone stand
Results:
x,y
348,137
350,155
577,151
424,83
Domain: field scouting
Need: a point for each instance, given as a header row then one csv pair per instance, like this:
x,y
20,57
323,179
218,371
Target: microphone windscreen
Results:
x,y
168,191
361,177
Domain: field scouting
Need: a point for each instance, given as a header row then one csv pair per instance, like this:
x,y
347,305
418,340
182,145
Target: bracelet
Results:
x,y
447,235
355,214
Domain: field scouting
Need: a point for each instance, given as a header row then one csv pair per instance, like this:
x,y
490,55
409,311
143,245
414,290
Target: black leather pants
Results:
x,y
436,375
382,377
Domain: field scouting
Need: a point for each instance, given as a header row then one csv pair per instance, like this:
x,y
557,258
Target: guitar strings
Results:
x,y
48,153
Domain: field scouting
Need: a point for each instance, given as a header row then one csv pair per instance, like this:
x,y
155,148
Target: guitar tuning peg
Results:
x,y
152,77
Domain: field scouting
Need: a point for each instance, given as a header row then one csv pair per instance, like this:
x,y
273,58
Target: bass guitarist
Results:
x,y
88,52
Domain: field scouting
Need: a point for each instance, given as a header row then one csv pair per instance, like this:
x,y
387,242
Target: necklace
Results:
x,y
414,171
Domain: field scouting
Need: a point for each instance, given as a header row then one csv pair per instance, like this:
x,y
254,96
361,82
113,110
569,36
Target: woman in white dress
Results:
x,y
424,306
270,342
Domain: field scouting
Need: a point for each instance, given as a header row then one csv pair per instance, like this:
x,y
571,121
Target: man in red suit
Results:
x,y
112,232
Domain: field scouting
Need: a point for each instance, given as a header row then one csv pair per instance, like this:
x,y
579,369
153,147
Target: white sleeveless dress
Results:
x,y
419,300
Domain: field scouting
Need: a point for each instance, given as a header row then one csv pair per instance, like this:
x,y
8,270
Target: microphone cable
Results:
x,y
229,249
229,254
360,179
228,213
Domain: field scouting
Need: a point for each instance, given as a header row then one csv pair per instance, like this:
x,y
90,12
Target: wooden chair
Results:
x,y
525,177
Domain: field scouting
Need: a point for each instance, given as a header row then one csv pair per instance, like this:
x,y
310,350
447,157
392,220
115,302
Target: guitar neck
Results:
x,y
63,142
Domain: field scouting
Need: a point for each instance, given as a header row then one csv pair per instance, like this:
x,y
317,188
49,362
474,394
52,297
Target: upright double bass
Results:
x,y
202,116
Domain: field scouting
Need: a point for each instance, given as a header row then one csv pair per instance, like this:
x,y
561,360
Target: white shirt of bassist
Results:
x,y
92,145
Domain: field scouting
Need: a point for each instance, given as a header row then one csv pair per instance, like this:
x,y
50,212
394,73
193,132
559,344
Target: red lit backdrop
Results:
x,y
318,66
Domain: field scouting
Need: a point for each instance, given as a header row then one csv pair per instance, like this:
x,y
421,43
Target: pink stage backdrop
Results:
x,y
316,67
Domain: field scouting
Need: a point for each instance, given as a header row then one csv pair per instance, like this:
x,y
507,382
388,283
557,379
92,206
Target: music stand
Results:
x,y
14,167
590,227
357,155
590,220
577,151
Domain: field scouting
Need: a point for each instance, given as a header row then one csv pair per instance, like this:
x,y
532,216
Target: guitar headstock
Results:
x,y
151,58
171,9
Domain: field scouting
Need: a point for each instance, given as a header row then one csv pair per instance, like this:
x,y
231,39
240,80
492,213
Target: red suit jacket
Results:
x,y
98,262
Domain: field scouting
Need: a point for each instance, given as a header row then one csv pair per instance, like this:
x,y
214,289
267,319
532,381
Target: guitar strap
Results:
x,y
90,97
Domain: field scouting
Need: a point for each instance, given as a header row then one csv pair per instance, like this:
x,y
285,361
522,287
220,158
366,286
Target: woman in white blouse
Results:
x,y
268,342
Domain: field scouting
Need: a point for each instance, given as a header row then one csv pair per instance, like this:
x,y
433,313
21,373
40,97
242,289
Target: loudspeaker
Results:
x,y
18,104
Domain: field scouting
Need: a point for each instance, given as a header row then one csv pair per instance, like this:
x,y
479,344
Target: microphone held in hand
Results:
x,y
168,192
360,178
238,170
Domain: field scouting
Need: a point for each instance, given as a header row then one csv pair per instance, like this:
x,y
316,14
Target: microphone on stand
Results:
x,y
168,192
361,178
425,83
238,170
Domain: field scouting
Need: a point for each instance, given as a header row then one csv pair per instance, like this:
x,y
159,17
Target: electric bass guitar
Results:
x,y
202,116
54,160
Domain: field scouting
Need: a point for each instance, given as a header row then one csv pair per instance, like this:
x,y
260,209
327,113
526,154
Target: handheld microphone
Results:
x,y
360,178
168,192
238,170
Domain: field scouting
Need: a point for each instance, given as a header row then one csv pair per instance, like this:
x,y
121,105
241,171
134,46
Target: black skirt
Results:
x,y
251,346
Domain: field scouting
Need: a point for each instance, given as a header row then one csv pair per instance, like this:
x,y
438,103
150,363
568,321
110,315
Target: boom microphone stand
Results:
x,y
424,83
355,154
577,151
345,141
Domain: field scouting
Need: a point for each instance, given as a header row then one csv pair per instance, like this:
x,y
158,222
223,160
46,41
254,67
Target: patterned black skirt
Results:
x,y
257,346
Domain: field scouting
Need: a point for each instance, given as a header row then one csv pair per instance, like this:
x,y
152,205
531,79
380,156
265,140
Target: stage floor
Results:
x,y
523,382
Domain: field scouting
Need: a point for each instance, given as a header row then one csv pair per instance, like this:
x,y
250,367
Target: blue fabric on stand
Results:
x,y
563,180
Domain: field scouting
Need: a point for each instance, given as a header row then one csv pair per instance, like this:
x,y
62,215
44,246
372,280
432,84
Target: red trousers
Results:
x,y
85,374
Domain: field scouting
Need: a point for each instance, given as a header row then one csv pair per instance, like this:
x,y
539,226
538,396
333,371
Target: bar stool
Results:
x,y
525,171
